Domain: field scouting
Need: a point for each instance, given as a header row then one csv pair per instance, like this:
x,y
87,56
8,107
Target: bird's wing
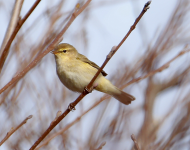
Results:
x,y
86,60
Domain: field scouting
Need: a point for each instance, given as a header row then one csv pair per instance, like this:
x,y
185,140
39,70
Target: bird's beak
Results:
x,y
54,52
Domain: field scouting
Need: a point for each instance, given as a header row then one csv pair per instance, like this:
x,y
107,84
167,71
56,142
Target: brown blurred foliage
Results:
x,y
97,123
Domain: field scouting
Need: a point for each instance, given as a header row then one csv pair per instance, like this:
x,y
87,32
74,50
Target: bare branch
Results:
x,y
101,146
135,142
14,129
17,28
72,123
151,73
13,22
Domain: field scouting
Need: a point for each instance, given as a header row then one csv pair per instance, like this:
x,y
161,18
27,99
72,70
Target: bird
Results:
x,y
75,71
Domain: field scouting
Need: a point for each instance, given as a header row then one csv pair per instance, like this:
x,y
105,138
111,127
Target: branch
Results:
x,y
101,146
17,28
175,80
151,73
13,130
135,142
13,22
90,86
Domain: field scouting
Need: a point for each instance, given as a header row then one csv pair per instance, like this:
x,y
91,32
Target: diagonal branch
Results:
x,y
13,22
151,73
73,122
13,130
135,142
175,80
17,28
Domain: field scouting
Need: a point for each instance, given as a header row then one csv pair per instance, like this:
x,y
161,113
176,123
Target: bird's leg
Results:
x,y
86,90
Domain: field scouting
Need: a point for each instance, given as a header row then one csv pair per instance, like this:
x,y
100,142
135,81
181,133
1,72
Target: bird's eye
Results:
x,y
64,51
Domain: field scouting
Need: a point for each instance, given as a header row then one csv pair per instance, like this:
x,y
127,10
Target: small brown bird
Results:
x,y
76,71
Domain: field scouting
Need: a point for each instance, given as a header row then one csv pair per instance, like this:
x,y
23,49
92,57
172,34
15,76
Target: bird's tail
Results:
x,y
107,87
123,97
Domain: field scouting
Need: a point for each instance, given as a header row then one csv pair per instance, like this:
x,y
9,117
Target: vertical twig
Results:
x,y
13,22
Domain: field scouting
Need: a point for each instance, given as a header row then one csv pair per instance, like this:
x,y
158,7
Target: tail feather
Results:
x,y
106,86
124,98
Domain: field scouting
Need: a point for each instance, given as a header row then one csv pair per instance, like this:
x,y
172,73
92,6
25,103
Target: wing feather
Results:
x,y
86,60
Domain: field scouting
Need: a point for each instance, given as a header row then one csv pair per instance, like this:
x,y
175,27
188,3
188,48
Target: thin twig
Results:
x,y
90,86
14,129
13,22
151,73
135,142
17,28
101,146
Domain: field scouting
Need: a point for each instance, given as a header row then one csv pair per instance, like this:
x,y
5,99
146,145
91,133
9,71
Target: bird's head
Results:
x,y
65,50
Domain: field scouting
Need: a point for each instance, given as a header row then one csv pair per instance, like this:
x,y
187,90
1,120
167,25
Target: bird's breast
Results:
x,y
75,75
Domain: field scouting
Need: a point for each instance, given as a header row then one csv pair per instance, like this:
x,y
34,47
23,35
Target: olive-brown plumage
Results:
x,y
75,71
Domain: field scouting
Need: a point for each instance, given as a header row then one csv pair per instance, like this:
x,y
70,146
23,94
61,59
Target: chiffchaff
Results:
x,y
76,71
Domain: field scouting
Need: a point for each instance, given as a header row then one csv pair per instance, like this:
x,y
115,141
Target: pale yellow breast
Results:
x,y
75,74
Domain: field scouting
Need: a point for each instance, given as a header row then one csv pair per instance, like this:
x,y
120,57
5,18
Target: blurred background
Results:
x,y
159,117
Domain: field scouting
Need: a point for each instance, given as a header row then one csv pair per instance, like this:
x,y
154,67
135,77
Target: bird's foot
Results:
x,y
86,90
